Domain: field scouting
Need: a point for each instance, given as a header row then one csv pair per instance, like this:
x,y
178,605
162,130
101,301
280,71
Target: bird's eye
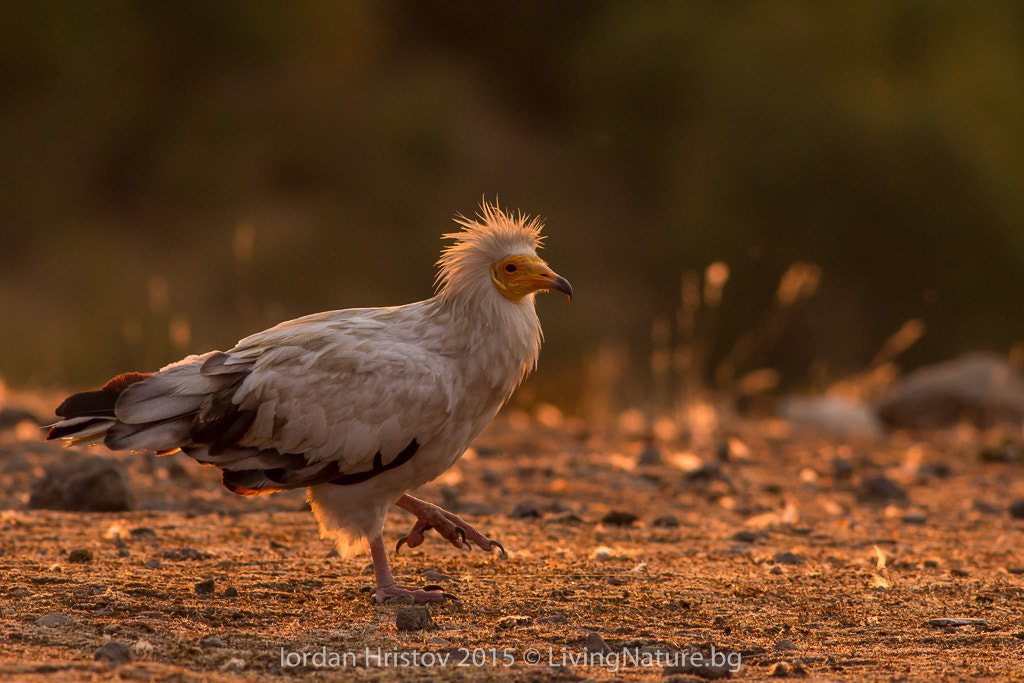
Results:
x,y
510,267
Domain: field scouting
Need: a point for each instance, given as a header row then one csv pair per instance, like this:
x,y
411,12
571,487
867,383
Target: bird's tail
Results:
x,y
88,415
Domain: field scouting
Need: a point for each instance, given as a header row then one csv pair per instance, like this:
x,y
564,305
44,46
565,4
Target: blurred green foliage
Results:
x,y
175,175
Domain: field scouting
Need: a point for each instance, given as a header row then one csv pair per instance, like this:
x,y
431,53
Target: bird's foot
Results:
x,y
453,528
394,593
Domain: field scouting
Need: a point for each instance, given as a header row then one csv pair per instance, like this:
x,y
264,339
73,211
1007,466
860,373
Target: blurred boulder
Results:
x,y
85,484
831,415
981,387
12,416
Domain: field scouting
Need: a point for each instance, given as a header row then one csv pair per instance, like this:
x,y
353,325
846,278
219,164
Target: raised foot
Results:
x,y
453,528
396,594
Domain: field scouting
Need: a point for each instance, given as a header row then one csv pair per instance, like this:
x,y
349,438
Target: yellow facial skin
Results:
x,y
519,276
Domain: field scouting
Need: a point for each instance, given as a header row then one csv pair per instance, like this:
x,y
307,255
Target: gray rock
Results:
x,y
12,416
705,665
780,670
114,652
206,587
650,455
595,643
212,641
666,522
80,556
515,621
786,644
746,536
54,620
945,622
179,554
880,489
830,415
85,484
787,557
619,518
554,620
983,387
415,618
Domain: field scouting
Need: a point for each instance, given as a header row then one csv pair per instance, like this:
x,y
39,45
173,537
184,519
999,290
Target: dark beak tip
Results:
x,y
563,286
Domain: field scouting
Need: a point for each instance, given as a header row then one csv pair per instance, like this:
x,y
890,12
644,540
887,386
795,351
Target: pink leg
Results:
x,y
386,585
453,528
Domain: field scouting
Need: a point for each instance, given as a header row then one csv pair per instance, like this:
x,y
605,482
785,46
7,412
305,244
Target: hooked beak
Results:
x,y
547,279
563,286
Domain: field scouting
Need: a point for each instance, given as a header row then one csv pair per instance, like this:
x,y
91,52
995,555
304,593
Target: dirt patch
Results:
x,y
785,554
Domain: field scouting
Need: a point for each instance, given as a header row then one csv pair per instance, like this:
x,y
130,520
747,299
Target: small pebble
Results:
x,y
80,556
842,468
935,469
233,664
554,619
595,643
114,652
404,599
915,518
20,592
212,641
986,508
708,669
880,489
515,621
1017,509
206,587
650,455
666,522
746,536
179,554
436,577
602,552
141,532
787,557
786,644
230,592
414,618
619,518
1005,452
776,570
523,511
779,670
142,646
153,563
945,622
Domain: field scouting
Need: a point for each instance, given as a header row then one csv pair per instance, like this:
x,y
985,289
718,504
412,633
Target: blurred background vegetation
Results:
x,y
175,175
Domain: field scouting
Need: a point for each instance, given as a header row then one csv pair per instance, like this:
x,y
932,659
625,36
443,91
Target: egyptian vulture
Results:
x,y
359,405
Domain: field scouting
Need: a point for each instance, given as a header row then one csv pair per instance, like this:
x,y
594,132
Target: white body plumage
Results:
x,y
359,405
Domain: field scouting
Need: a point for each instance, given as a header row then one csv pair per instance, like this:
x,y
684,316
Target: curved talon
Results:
x,y
433,587
500,547
398,546
465,541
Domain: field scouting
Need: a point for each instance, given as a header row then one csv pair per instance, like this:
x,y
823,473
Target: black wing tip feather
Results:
x,y
270,479
58,432
99,403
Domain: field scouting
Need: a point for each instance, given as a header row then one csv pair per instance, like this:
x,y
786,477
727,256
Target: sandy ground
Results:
x,y
773,553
